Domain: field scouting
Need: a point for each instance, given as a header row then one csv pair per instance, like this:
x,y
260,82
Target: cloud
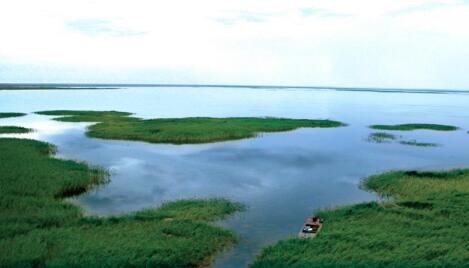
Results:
x,y
427,6
308,11
243,16
388,43
95,27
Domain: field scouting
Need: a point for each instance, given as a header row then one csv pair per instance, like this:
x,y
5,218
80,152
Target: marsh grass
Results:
x,y
7,115
38,228
120,126
14,130
419,144
384,137
423,223
409,127
381,137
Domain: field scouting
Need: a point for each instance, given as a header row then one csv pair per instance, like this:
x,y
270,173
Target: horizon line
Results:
x,y
338,88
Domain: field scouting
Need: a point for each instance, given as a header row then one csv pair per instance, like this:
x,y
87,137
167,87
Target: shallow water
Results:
x,y
282,177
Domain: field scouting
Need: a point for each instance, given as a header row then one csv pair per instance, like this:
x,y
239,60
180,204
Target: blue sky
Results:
x,y
396,43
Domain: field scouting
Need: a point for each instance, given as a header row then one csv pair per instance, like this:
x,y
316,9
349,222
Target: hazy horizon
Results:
x,y
413,44
72,85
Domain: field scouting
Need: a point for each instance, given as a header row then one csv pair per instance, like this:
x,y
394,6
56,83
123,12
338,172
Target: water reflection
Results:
x,y
42,126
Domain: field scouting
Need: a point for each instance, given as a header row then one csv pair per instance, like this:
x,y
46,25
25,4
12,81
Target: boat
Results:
x,y
311,227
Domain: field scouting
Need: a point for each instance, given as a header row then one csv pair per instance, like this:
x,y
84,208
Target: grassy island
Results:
x,y
14,130
7,115
121,126
39,229
408,127
423,222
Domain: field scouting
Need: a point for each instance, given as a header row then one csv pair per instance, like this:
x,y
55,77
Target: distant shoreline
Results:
x,y
78,86
45,87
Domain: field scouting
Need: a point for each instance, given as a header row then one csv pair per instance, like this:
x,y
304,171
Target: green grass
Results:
x,y
419,144
14,130
381,137
120,126
424,222
6,115
39,229
408,127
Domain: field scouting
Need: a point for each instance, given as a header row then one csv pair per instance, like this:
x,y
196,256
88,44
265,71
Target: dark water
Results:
x,y
282,177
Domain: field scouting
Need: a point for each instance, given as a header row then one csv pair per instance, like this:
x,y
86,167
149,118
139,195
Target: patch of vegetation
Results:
x,y
6,115
120,126
408,127
424,224
384,137
420,144
39,229
14,130
381,137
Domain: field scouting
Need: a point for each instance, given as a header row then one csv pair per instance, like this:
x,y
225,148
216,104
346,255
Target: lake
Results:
x,y
282,177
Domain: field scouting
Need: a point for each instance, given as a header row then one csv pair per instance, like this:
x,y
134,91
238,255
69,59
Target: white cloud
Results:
x,y
94,27
411,43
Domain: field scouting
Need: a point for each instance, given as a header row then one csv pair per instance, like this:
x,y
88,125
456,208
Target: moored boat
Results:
x,y
311,227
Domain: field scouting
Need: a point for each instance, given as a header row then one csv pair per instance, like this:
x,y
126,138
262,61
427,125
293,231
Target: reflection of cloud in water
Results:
x,y
41,126
294,157
348,179
126,163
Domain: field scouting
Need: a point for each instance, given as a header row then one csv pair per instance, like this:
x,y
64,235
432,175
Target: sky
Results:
x,y
360,43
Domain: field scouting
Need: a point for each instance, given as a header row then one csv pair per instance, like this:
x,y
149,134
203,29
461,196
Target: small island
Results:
x,y
7,115
121,126
414,126
14,130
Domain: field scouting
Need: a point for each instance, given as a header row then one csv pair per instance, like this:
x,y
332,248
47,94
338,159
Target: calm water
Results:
x,y
282,177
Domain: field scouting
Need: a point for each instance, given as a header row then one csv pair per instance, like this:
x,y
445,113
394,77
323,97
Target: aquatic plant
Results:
x,y
38,228
423,224
408,127
13,130
120,126
384,137
420,144
381,137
